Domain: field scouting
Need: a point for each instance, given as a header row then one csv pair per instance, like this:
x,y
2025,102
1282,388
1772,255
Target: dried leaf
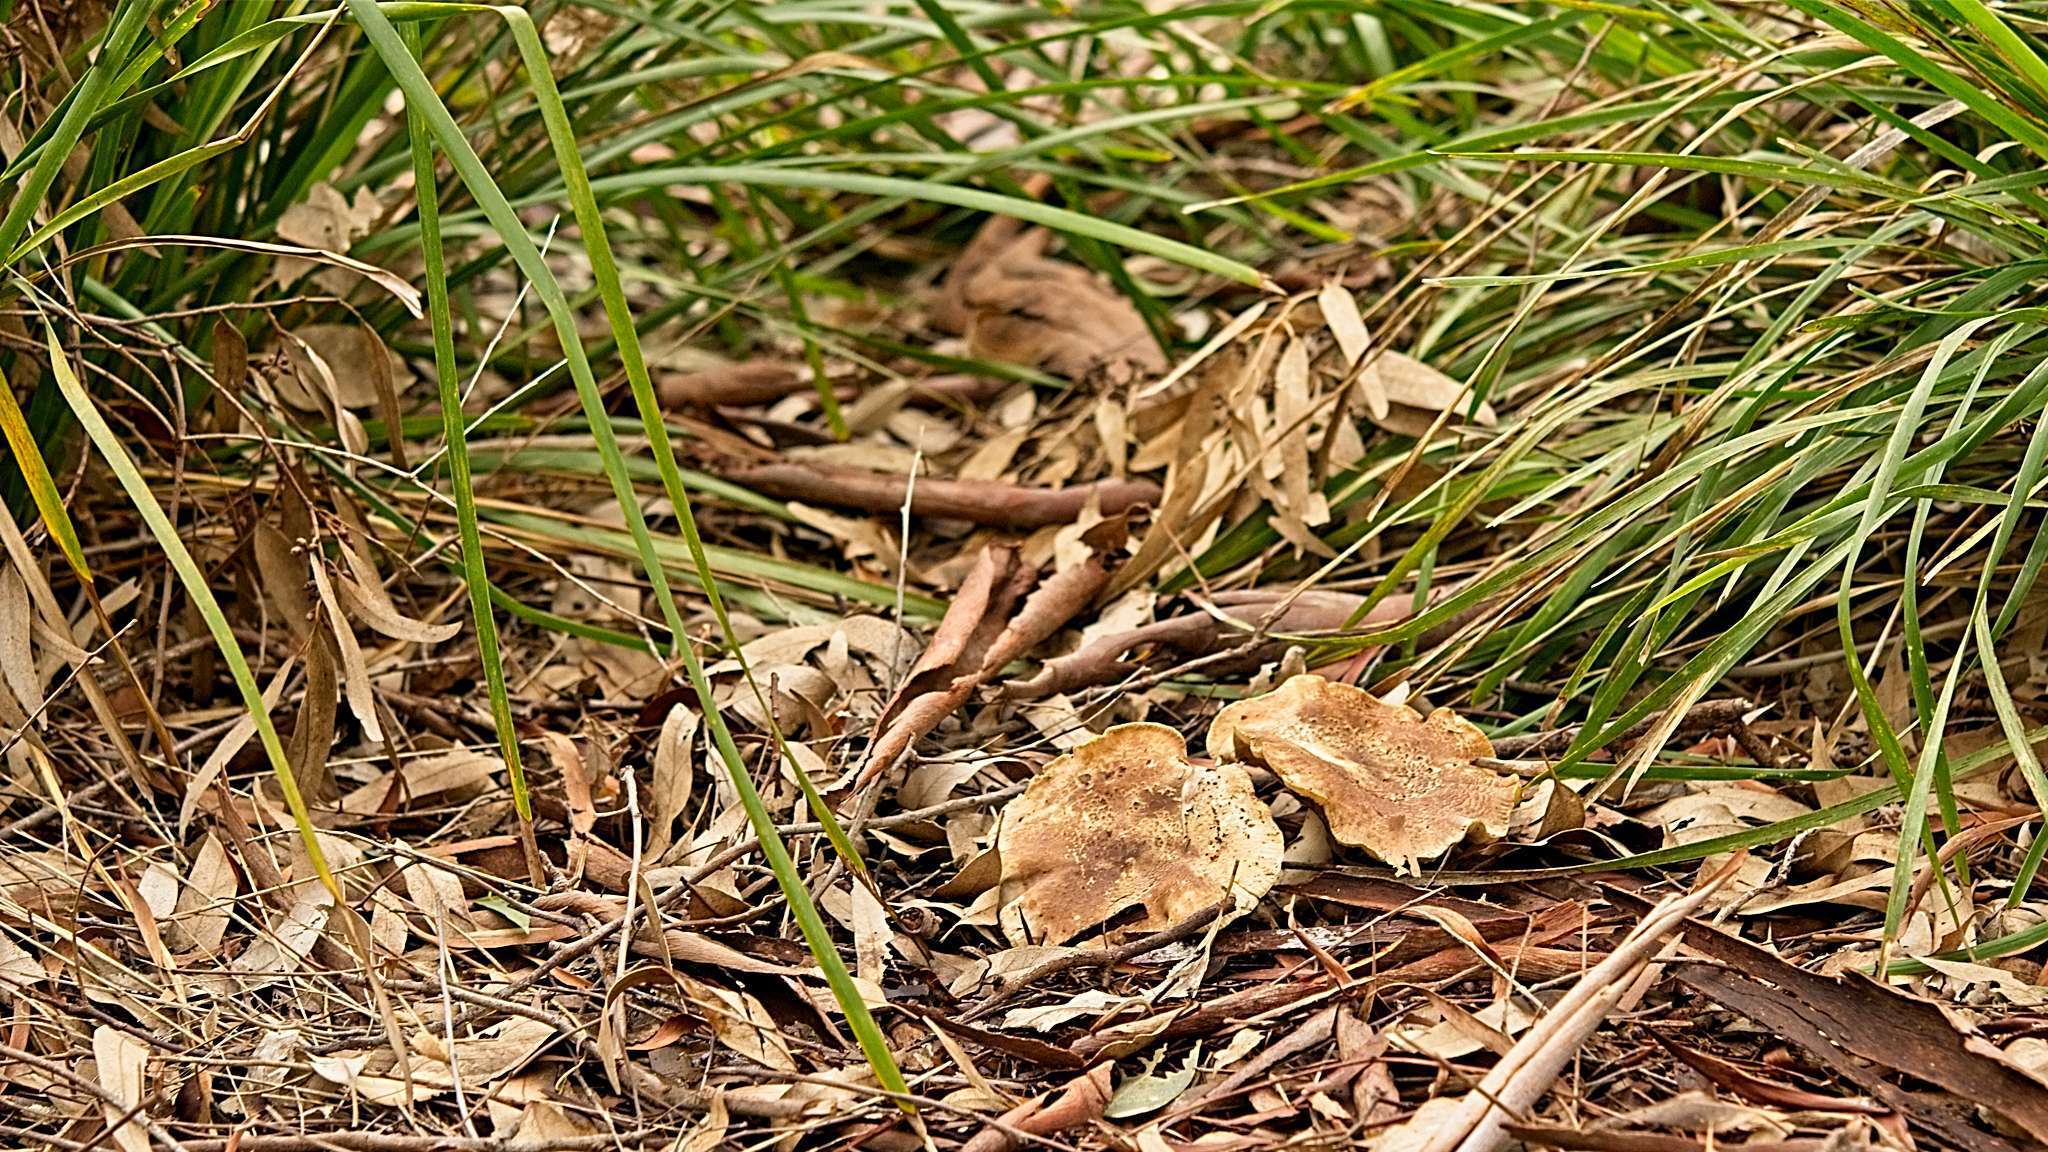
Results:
x,y
1126,820
123,1065
282,577
41,881
669,793
1302,505
871,933
280,951
372,605
1402,787
17,660
19,970
200,917
355,673
708,1134
478,1061
742,1023
158,887
326,219
428,776
1016,304
238,737
312,736
544,1120
1417,393
1146,1094
1340,313
437,894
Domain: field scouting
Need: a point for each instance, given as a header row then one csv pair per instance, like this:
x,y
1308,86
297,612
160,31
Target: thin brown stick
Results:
x,y
986,502
1707,716
766,381
402,1142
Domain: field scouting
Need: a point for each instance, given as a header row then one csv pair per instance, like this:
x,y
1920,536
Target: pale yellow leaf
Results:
x,y
123,1065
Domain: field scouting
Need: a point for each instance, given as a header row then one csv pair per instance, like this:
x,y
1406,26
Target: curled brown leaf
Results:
x,y
1018,305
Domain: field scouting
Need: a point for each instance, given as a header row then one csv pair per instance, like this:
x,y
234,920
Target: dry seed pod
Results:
x,y
1126,820
1400,786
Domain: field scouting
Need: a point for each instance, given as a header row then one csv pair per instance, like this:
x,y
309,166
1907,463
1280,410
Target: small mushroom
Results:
x,y
1126,820
1403,787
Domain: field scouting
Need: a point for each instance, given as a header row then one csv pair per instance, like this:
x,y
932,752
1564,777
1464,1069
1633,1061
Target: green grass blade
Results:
x,y
420,94
475,577
127,25
193,580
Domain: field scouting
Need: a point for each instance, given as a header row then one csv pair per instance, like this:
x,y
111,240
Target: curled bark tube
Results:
x,y
990,503
1059,599
766,381
1102,660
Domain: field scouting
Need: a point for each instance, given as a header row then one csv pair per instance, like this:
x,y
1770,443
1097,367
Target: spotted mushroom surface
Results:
x,y
1126,821
1400,785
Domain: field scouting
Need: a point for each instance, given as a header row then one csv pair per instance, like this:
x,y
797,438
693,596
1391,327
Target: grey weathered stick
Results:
x,y
1531,1067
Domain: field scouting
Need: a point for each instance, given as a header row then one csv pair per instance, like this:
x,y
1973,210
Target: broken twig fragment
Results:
x,y
990,503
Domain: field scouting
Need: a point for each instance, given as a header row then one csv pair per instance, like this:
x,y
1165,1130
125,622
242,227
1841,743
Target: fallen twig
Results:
x,y
1101,661
1476,1122
990,503
1705,718
766,381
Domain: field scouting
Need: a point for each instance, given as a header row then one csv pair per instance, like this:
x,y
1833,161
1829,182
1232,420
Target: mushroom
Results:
x,y
1126,820
1401,786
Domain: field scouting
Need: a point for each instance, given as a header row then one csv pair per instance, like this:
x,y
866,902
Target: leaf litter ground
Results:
x,y
1346,923
1150,854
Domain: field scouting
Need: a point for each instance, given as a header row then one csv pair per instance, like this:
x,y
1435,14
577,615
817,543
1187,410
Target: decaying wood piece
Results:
x,y
991,503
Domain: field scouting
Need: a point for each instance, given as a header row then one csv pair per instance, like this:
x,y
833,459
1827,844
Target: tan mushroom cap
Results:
x,y
1126,820
1401,786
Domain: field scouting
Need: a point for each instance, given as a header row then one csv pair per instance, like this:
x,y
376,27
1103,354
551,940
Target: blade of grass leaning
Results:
x,y
863,184
469,167
97,86
420,94
193,580
1913,823
49,503
2022,752
475,577
611,289
605,271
